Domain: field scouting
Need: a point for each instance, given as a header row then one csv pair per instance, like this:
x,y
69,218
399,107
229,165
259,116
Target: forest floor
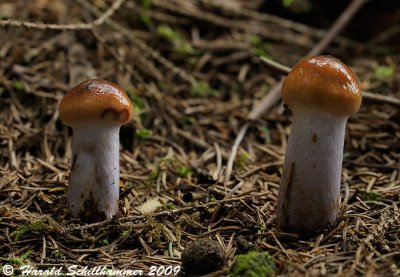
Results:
x,y
193,72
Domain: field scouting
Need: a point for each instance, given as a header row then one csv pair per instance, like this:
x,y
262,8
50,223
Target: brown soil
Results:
x,y
192,70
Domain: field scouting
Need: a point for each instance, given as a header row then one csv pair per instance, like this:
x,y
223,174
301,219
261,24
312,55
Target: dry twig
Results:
x,y
79,26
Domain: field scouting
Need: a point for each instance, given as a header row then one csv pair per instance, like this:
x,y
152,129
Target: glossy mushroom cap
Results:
x,y
323,83
95,100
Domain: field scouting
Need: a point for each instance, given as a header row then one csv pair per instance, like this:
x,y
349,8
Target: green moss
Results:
x,y
193,60
298,6
56,254
180,45
143,134
184,171
125,234
252,264
370,196
136,100
202,89
36,226
21,260
287,3
154,175
19,86
168,206
170,164
262,228
144,16
104,242
383,71
258,48
188,119
242,160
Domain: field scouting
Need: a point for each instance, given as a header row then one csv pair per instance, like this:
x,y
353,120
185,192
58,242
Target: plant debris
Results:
x,y
193,72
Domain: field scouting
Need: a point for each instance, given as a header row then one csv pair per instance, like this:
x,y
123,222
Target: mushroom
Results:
x,y
95,109
322,92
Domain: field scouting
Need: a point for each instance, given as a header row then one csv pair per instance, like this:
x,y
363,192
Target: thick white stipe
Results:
x,y
309,195
93,191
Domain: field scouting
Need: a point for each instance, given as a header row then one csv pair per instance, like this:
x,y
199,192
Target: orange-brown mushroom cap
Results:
x,y
323,83
94,101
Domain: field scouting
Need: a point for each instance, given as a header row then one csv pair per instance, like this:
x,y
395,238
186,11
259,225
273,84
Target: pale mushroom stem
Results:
x,y
309,195
93,190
